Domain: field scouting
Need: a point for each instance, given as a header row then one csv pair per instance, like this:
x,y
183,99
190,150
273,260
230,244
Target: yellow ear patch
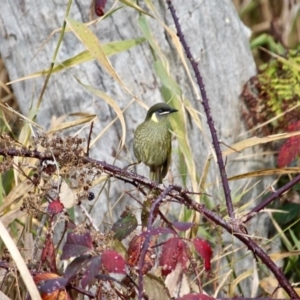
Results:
x,y
154,118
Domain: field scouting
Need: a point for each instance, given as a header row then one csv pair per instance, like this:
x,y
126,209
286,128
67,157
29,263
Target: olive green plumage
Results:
x,y
152,141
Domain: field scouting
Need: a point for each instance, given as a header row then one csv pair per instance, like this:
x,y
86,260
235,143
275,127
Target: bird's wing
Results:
x,y
167,163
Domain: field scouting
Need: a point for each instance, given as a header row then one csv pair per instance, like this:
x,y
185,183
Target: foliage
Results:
x,y
272,97
95,256
291,148
274,26
272,101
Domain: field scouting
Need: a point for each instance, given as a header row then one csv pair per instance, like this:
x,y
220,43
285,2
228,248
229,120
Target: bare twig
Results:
x,y
272,197
89,140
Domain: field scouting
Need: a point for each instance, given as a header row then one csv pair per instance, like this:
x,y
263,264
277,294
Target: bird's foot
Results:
x,y
129,166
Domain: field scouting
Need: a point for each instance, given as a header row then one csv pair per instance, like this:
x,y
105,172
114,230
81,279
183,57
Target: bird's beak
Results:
x,y
173,110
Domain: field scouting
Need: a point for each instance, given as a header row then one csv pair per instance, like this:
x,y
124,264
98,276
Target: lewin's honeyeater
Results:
x,y
152,141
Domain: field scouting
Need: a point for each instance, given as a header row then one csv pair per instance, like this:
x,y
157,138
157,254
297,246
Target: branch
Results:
x,y
271,198
205,104
234,228
179,194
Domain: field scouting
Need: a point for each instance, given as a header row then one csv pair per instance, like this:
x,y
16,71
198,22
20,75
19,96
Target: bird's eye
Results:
x,y
160,111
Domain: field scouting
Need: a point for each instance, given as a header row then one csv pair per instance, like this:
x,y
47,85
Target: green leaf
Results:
x,y
292,212
124,226
136,7
93,45
165,78
110,101
179,128
155,288
150,38
85,56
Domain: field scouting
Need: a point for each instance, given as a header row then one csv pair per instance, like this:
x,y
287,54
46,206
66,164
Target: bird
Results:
x,y
152,141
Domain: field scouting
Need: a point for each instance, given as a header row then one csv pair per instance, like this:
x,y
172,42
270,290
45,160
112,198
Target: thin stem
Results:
x,y
147,239
271,198
207,110
60,39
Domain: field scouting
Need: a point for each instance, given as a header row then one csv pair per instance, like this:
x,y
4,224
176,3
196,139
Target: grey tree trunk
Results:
x,y
216,36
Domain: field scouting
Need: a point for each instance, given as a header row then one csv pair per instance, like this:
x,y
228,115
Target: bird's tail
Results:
x,y
156,174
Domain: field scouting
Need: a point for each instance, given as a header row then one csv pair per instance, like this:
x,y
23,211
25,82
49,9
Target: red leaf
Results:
x,y
76,265
134,252
71,225
291,148
91,271
48,248
204,250
195,297
76,245
289,151
174,251
113,262
99,7
51,286
55,207
48,254
44,276
294,126
57,295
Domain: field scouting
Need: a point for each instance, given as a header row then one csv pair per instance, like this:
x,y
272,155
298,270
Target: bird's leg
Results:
x,y
131,165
